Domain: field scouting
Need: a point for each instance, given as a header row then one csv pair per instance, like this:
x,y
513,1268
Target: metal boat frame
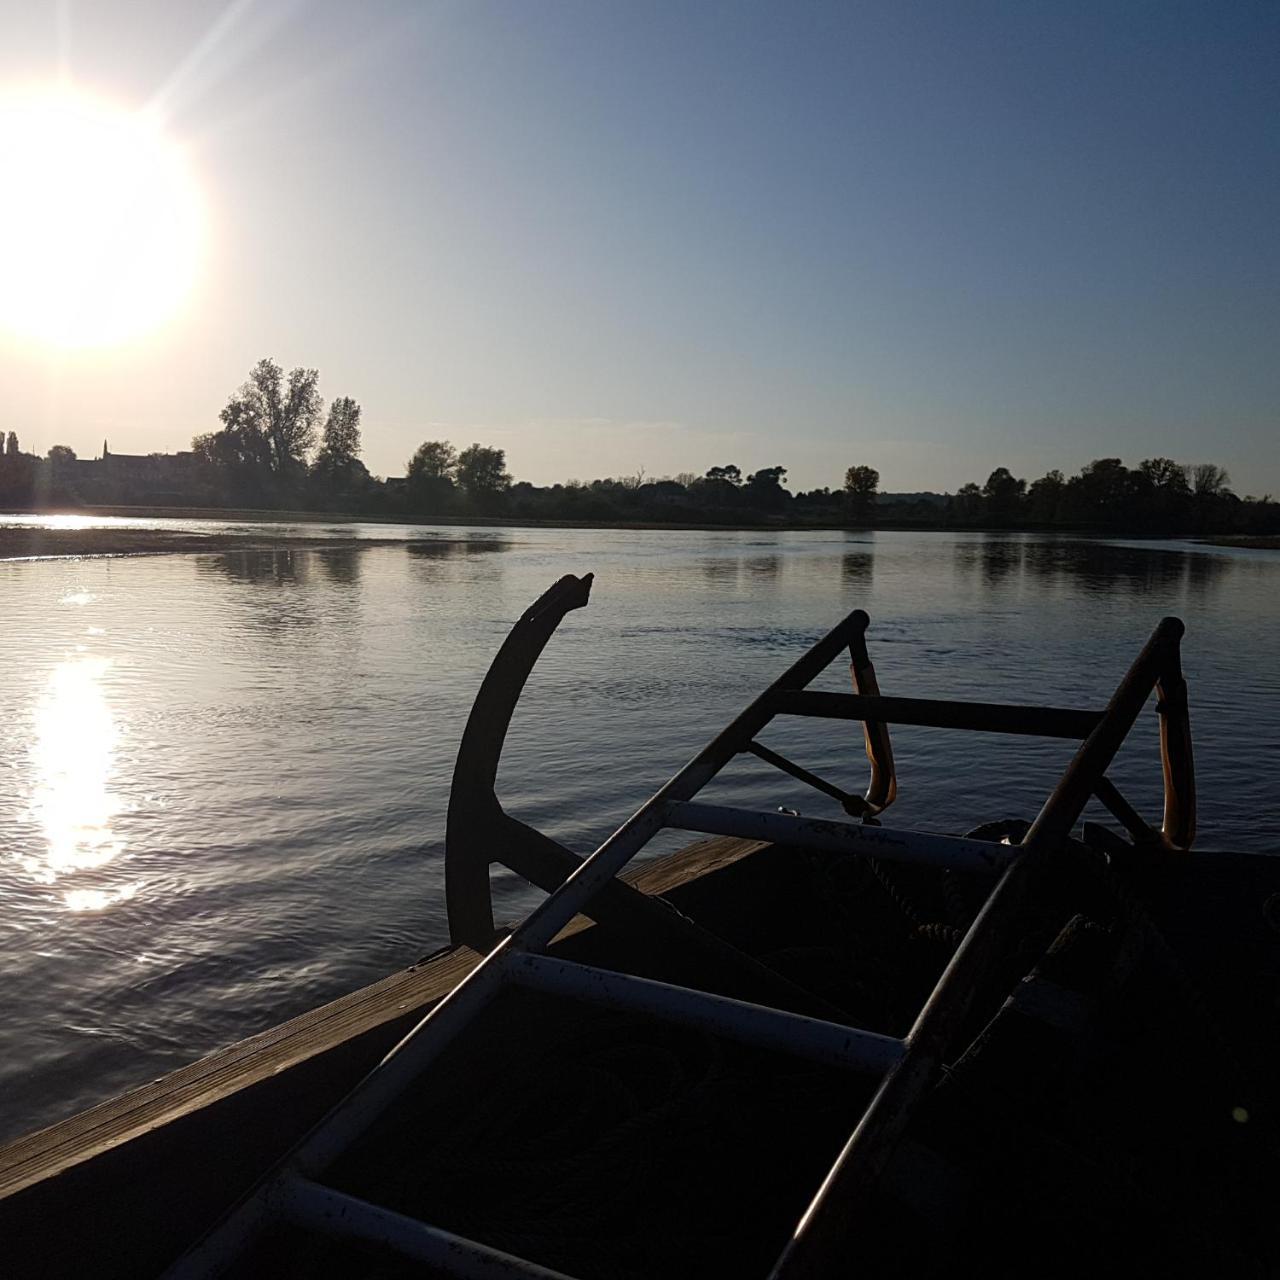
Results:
x,y
480,833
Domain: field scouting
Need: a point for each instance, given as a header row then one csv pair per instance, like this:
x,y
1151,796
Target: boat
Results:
x,y
799,1047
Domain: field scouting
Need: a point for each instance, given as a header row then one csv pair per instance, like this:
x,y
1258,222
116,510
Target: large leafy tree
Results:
x,y
269,427
720,487
340,441
430,475
968,501
861,484
337,469
482,472
1164,474
1003,492
1102,489
1044,497
764,488
729,474
271,420
1161,493
433,460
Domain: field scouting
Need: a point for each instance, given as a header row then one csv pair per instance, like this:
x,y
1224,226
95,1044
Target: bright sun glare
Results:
x,y
100,220
73,751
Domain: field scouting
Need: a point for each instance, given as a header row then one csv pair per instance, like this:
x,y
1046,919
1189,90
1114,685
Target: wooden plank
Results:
x,y
50,1151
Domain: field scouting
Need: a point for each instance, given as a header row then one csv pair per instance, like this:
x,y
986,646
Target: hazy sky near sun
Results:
x,y
935,238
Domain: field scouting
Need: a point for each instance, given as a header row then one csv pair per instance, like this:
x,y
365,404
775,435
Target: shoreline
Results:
x,y
273,516
21,545
1250,542
34,542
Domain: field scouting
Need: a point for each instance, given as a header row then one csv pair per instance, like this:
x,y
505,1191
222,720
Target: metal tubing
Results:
x,y
864,1155
799,772
1065,805
683,945
873,1142
841,837
909,1073
436,1031
318,1208
827,1042
984,717
552,915
1133,822
347,1120
403,1064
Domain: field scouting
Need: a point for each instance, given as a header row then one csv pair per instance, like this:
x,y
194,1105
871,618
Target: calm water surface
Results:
x,y
225,776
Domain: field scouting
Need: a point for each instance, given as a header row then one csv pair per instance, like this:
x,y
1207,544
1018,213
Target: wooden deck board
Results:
x,y
50,1151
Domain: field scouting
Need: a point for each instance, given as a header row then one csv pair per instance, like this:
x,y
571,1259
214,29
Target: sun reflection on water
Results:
x,y
72,753
98,899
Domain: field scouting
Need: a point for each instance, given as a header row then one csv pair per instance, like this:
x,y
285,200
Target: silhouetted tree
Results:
x,y
482,473
1208,480
719,488
1003,493
1160,493
273,420
268,428
340,442
430,475
337,472
764,488
860,486
433,460
1044,497
60,455
1164,474
232,447
968,501
11,445
1101,492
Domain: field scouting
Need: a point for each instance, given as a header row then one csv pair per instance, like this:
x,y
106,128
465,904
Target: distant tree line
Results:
x,y
1159,495
278,447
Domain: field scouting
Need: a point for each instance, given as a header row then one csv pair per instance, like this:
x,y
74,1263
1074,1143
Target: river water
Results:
x,y
225,776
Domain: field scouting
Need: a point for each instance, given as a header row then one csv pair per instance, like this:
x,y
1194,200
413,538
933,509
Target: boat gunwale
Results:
x,y
408,993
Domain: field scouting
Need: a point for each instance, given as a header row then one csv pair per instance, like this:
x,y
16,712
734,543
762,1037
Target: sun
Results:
x,y
101,221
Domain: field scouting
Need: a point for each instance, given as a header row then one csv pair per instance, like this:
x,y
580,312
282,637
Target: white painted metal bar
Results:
x,y
318,1208
827,1042
891,844
347,1121
353,1115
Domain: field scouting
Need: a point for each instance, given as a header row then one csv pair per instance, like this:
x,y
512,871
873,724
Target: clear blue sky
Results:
x,y
934,238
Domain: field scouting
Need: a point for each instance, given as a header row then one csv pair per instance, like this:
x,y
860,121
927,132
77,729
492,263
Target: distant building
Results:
x,y
131,478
